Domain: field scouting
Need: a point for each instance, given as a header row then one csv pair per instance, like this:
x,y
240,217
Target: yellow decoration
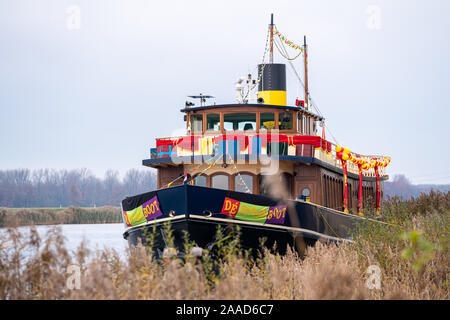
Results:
x,y
338,148
269,124
346,150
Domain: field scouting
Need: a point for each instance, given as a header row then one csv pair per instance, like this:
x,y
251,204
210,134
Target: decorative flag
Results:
x,y
286,41
253,213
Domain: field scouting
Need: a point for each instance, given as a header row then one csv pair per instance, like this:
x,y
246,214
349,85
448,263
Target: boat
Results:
x,y
258,163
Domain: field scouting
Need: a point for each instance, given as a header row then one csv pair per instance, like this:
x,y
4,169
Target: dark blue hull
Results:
x,y
197,211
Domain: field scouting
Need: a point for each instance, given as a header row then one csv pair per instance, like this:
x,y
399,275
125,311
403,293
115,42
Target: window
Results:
x,y
196,122
306,125
267,121
241,182
213,121
220,181
285,120
239,121
200,180
300,123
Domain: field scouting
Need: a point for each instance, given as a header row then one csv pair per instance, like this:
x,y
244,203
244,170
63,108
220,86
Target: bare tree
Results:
x,y
52,188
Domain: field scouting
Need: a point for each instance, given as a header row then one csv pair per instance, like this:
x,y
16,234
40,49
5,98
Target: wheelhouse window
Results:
x,y
239,121
285,120
309,125
213,122
220,181
267,120
243,183
196,122
300,123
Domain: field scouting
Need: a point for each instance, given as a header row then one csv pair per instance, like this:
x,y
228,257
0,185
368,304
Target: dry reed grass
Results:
x,y
14,217
34,268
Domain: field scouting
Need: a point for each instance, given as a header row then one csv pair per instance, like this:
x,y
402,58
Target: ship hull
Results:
x,y
198,212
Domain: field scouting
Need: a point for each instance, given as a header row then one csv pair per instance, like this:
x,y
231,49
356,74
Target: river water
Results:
x,y
98,236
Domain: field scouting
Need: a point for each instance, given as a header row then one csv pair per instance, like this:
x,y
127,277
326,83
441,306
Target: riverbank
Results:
x,y
15,217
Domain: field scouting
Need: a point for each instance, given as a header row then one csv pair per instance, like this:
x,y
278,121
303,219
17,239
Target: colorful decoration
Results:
x,y
276,215
196,168
254,213
286,41
149,210
204,145
241,181
364,163
343,155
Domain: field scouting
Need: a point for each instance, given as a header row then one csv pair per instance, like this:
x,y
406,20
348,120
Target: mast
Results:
x,y
271,38
306,73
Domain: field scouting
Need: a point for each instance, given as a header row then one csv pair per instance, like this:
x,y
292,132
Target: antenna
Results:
x,y
201,97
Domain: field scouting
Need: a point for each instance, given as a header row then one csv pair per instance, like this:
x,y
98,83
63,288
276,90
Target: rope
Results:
x,y
329,225
313,103
286,57
189,173
212,165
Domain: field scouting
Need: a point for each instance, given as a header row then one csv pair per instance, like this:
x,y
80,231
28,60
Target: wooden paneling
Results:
x,y
168,174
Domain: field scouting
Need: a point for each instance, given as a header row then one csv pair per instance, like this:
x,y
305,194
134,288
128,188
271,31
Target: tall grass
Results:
x,y
33,268
71,215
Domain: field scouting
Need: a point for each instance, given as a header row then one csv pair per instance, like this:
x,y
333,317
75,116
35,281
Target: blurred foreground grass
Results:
x,y
411,252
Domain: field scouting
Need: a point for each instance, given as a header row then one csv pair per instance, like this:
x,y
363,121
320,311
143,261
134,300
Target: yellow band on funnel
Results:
x,y
272,97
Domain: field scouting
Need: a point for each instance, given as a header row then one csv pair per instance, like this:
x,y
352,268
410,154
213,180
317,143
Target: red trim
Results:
x,y
187,141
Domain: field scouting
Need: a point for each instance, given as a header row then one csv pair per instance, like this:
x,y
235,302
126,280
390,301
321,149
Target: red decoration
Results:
x,y
360,190
187,141
344,167
299,103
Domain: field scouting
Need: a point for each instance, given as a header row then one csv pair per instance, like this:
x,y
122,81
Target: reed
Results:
x,y
34,268
10,217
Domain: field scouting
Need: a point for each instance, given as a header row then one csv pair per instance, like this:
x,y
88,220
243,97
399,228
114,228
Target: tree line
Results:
x,y
25,188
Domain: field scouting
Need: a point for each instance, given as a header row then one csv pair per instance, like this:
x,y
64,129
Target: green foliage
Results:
x,y
396,245
419,250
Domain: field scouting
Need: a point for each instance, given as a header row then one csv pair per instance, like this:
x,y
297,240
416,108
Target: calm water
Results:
x,y
98,236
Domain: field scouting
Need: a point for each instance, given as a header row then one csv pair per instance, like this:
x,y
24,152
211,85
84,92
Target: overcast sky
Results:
x,y
96,92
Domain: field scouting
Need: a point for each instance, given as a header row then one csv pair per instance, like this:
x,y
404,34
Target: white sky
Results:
x,y
98,96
